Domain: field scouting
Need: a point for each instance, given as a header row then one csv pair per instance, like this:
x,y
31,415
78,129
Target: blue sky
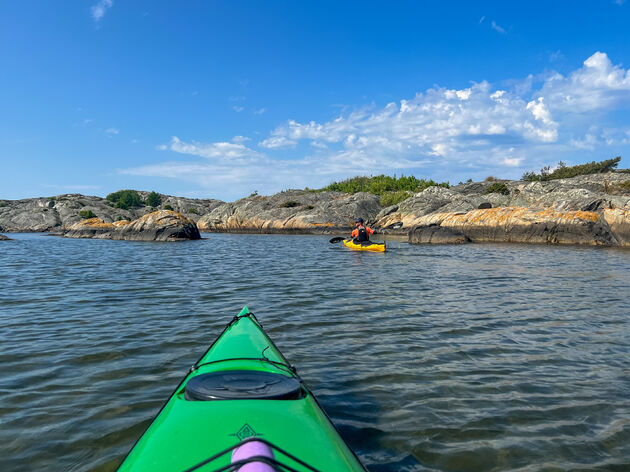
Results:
x,y
217,99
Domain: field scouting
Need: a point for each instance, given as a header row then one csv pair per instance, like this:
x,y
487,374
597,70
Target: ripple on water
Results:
x,y
483,357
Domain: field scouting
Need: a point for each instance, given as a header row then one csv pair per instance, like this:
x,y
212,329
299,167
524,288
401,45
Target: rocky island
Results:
x,y
160,225
588,208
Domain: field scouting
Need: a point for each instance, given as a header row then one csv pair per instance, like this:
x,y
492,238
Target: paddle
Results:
x,y
337,239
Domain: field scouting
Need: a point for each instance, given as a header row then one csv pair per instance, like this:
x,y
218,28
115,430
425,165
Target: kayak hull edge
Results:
x,y
370,246
185,433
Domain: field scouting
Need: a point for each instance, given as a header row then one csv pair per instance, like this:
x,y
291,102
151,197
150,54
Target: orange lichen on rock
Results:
x,y
160,225
521,224
618,220
91,223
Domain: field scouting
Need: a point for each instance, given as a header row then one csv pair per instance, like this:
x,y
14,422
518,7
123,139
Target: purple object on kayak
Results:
x,y
252,449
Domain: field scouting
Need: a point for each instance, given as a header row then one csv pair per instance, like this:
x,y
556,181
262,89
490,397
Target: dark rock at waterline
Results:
x,y
161,225
435,234
4,238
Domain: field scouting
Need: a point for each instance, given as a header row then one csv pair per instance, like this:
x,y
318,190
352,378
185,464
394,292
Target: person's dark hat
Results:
x,y
359,220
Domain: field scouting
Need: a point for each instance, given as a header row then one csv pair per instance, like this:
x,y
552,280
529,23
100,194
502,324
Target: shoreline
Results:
x,y
591,209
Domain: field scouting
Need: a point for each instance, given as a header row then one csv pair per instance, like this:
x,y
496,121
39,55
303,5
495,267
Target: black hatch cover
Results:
x,y
242,384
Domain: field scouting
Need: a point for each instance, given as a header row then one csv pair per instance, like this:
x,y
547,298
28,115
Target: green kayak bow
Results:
x,y
242,407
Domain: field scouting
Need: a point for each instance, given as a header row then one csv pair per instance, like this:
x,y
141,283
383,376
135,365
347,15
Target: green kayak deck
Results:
x,y
187,431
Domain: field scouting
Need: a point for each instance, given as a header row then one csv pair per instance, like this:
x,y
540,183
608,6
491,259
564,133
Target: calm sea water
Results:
x,y
453,358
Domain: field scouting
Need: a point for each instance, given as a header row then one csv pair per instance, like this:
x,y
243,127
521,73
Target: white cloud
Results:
x,y
439,122
112,131
277,142
100,8
597,85
260,111
238,109
230,152
600,138
556,56
512,161
497,28
588,142
442,133
240,139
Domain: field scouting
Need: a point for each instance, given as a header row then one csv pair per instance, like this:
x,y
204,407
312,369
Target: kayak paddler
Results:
x,y
361,233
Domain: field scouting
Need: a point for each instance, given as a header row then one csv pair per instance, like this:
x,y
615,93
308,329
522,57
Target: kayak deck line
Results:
x,y
242,395
254,459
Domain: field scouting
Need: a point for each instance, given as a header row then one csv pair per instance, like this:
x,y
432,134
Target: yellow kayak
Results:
x,y
364,246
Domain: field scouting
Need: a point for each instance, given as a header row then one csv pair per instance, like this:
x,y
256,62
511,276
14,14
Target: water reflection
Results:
x,y
458,358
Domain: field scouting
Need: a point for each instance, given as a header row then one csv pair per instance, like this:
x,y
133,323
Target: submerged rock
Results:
x,y
161,225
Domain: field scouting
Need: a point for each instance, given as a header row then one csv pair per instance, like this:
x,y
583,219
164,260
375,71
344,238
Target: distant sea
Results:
x,y
450,358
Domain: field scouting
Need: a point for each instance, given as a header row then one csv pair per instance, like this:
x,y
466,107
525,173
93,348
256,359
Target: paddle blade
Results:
x,y
337,239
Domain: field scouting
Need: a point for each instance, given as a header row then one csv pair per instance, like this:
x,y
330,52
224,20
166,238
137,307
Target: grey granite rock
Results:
x,y
161,225
435,234
334,212
292,210
61,211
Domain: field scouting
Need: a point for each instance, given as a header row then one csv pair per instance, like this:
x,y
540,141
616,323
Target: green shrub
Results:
x,y
490,178
565,172
498,187
168,207
154,199
380,184
622,188
86,214
290,204
192,210
393,198
3,204
125,199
